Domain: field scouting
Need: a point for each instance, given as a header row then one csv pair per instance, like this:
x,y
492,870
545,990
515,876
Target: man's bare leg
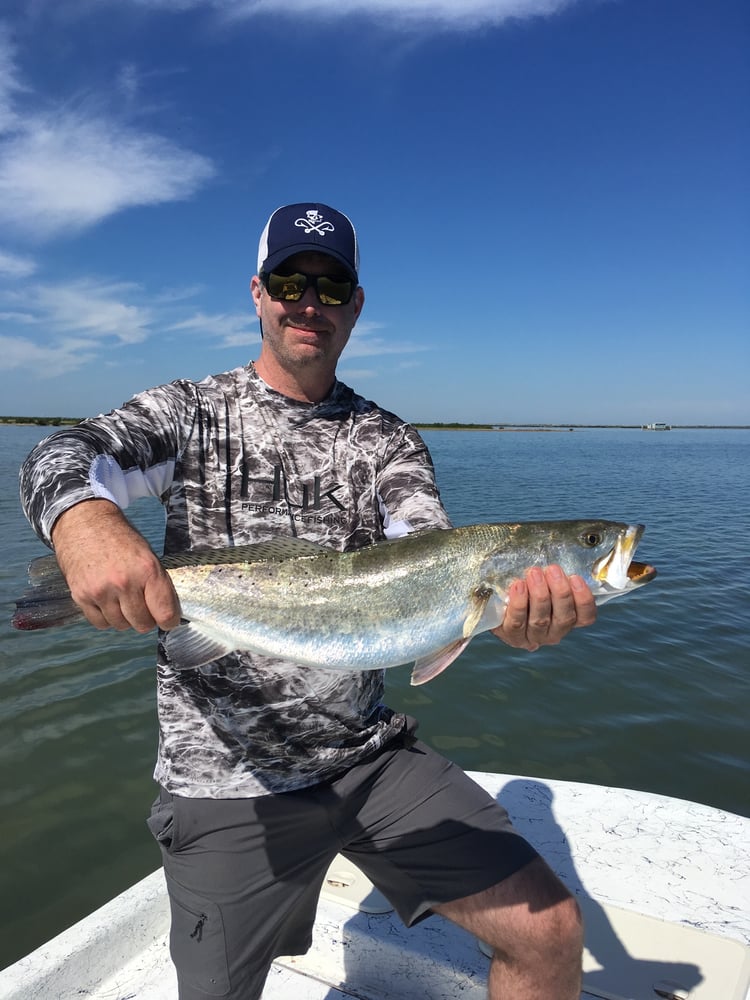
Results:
x,y
535,928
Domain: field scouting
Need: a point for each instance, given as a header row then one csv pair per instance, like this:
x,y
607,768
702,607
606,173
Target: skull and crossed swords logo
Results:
x,y
314,223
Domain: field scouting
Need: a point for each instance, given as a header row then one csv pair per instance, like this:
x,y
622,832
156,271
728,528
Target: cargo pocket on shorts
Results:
x,y
196,941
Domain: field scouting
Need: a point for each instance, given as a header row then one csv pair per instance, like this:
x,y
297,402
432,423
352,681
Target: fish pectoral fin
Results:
x,y
190,646
477,605
427,667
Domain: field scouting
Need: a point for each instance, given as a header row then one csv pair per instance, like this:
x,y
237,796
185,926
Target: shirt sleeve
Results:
x,y
407,492
119,456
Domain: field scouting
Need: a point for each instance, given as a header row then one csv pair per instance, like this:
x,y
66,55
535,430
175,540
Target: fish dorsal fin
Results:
x,y
190,646
273,550
427,667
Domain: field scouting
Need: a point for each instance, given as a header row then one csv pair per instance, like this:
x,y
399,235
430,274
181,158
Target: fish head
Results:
x,y
601,552
611,570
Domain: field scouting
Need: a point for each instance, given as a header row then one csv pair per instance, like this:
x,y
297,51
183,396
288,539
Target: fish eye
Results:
x,y
591,539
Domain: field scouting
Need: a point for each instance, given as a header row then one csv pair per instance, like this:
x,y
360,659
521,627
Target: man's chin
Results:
x,y
314,338
309,345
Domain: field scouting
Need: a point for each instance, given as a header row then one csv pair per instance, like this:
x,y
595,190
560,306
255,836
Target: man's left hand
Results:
x,y
544,607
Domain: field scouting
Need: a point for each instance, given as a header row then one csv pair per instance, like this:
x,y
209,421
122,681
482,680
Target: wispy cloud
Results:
x,y
13,265
229,329
10,84
364,343
128,82
46,360
98,308
63,172
55,328
467,14
64,168
356,374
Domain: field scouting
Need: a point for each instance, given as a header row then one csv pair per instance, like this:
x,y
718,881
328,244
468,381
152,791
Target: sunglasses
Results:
x,y
291,287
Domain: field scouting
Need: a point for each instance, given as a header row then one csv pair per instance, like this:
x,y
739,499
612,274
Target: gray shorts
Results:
x,y
244,875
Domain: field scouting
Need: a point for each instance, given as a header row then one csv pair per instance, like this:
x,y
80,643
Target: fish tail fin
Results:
x,y
47,602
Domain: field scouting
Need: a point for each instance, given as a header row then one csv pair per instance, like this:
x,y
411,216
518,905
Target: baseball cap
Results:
x,y
308,226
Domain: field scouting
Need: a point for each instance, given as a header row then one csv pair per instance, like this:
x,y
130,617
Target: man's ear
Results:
x,y
359,301
256,288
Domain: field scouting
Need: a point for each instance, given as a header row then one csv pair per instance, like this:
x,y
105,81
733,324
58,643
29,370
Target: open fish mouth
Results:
x,y
616,570
639,572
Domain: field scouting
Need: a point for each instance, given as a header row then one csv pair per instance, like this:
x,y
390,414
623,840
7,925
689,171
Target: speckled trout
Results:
x,y
420,599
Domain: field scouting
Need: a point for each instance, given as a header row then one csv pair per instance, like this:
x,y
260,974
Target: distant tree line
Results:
x,y
43,421
455,425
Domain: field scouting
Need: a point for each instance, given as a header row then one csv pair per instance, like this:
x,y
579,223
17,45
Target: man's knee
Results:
x,y
551,932
534,927
556,930
530,913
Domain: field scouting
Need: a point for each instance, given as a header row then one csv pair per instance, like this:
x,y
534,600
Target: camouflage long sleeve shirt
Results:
x,y
234,462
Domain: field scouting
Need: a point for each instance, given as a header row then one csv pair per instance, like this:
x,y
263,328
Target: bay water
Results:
x,y
654,696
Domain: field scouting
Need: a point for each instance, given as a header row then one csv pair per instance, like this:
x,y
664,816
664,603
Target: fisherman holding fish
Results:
x,y
267,768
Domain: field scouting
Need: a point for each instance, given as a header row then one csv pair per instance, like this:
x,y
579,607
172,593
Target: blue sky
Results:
x,y
552,198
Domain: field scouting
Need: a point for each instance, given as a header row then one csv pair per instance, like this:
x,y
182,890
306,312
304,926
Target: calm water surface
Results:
x,y
655,696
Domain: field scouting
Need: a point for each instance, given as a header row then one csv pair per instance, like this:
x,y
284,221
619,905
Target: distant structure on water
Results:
x,y
656,427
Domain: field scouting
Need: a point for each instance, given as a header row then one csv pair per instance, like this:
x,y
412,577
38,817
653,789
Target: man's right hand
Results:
x,y
113,574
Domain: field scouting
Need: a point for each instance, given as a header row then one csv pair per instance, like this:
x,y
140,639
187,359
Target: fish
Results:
x,y
417,599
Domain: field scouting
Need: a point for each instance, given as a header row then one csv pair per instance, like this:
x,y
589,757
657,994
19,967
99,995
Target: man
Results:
x,y
267,770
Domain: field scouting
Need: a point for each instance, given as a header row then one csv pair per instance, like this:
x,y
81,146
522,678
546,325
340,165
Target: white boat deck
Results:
x,y
664,885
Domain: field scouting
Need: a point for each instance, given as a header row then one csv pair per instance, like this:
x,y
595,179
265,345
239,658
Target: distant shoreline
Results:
x,y
496,428
40,421
492,428
530,428
505,429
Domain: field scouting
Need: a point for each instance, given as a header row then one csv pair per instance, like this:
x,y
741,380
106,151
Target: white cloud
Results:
x,y
128,82
17,317
230,329
55,329
64,172
13,265
98,308
45,360
364,345
451,13
65,168
178,293
9,82
356,374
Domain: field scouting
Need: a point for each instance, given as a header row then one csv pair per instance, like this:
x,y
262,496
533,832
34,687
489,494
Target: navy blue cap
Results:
x,y
304,227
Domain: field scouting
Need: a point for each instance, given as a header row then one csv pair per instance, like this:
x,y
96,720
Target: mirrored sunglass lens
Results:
x,y
333,293
289,287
